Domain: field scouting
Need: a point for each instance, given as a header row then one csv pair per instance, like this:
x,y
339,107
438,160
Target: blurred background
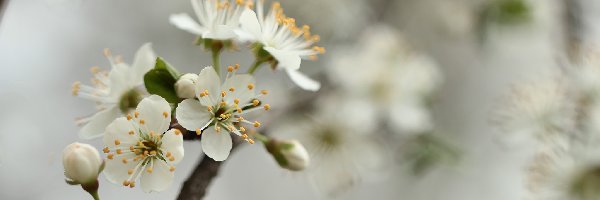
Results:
x,y
476,50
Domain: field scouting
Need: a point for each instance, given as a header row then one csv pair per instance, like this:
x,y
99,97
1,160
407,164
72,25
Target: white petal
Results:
x,y
216,145
249,23
144,60
115,170
120,80
152,110
208,79
192,115
159,180
95,127
286,60
185,22
303,81
221,32
173,143
240,84
410,118
119,130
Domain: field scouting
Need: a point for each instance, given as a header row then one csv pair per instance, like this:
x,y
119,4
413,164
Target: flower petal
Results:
x,y
159,180
411,118
208,79
286,60
143,61
120,80
185,22
240,84
95,127
192,115
303,81
173,143
115,170
216,145
221,32
250,25
119,130
156,113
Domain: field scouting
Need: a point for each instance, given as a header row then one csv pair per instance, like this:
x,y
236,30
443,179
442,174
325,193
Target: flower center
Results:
x,y
130,100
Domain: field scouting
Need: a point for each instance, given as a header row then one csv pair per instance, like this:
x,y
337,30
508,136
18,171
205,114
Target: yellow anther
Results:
x,y
231,89
149,170
321,50
151,133
239,110
165,114
110,156
267,107
230,68
105,150
136,114
172,168
131,132
117,142
236,101
124,160
264,92
142,121
145,152
209,108
202,94
240,118
130,171
168,154
236,66
223,93
239,2
129,117
218,129
135,159
313,57
251,141
94,69
107,52
223,104
177,131
153,152
131,148
198,131
245,136
171,158
131,184
255,102
75,88
140,143
250,86
119,151
315,38
256,124
126,183
231,127
242,129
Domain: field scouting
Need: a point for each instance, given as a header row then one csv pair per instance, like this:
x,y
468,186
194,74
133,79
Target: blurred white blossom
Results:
x,y
218,19
114,92
397,81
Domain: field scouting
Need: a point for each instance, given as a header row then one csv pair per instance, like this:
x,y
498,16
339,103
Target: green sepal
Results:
x,y
161,81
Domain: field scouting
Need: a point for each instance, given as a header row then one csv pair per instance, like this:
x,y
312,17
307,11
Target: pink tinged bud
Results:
x,y
82,163
185,86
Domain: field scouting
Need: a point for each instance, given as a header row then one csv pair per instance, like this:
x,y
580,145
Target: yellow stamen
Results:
x,y
198,131
250,86
256,124
105,150
117,142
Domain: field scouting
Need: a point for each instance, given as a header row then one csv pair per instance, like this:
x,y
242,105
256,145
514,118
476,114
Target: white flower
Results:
x,y
142,146
114,92
343,150
218,20
289,154
220,106
283,40
186,86
382,69
82,163
538,110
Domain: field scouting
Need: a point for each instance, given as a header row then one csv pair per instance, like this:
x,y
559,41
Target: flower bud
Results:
x,y
82,163
289,154
185,86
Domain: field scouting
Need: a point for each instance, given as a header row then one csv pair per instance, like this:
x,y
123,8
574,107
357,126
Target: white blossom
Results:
x,y
282,39
141,146
82,163
218,19
219,110
114,92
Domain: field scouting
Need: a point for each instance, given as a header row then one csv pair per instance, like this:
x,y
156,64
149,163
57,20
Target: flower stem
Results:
x,y
216,54
262,138
95,195
254,66
92,188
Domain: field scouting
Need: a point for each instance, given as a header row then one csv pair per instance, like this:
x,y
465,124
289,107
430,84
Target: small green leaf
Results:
x,y
161,81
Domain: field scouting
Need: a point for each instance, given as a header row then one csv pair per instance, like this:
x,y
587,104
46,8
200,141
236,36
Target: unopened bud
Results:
x,y
185,86
82,163
289,154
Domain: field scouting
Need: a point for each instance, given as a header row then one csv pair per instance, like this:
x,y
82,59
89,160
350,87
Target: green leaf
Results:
x,y
161,81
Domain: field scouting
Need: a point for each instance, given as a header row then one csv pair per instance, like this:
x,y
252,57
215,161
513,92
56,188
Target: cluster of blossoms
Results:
x,y
559,115
143,127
